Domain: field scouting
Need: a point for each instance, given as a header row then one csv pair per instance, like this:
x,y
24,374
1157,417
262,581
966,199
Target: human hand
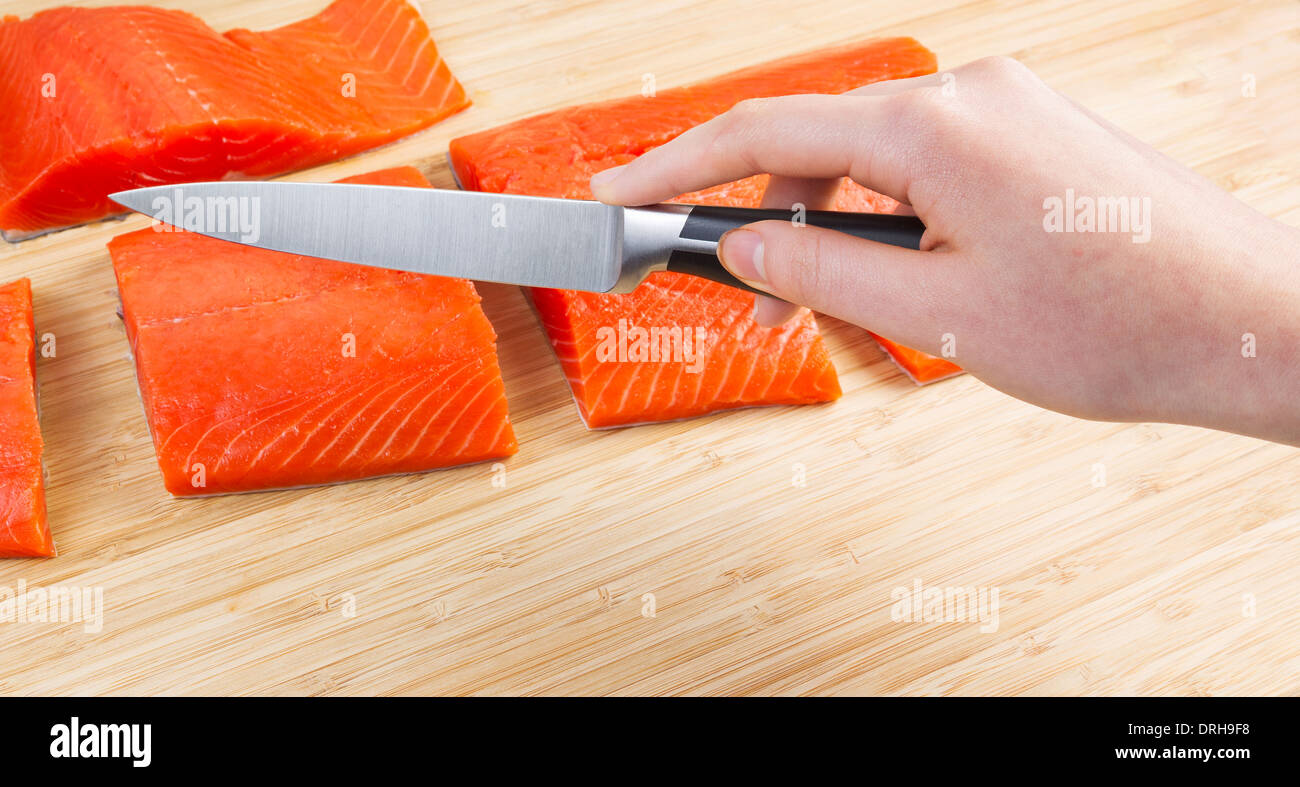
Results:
x,y
1187,312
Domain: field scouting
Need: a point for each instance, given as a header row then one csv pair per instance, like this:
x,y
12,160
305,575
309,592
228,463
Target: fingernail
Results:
x,y
742,252
603,178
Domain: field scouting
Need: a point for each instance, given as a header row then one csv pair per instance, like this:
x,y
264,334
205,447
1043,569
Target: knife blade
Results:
x,y
530,241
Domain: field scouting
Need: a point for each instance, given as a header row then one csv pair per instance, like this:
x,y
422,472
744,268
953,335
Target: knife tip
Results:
x,y
131,199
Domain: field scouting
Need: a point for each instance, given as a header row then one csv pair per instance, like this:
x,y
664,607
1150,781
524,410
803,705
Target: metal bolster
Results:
x,y
650,236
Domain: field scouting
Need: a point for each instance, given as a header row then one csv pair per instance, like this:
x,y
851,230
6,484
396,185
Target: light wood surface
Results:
x,y
1143,585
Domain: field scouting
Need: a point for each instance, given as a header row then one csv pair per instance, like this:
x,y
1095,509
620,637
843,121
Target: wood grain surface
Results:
x,y
687,557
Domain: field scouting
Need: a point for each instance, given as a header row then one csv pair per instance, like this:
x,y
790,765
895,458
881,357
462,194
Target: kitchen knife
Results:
x,y
530,241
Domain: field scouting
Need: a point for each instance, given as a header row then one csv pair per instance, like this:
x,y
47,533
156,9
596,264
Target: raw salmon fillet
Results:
x,y
744,364
262,370
733,363
23,530
98,100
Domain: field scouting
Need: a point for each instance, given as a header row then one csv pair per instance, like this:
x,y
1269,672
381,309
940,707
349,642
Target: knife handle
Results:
x,y
705,224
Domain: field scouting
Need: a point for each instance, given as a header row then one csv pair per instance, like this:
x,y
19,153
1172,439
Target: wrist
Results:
x,y
1241,355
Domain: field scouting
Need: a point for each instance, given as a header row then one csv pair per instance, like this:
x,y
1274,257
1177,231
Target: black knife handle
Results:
x,y
708,223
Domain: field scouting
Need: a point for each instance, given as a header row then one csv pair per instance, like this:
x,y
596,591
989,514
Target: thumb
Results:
x,y
900,293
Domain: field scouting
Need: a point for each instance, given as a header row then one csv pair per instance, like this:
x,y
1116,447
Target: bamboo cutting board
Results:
x,y
752,552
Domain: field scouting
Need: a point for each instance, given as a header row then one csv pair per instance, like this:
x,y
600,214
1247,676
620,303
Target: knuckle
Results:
x,y
800,273
751,108
1002,67
927,114
737,128
921,105
736,121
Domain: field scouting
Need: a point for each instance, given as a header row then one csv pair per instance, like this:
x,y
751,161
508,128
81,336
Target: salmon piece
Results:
x,y
744,364
921,367
699,352
23,529
262,370
556,153
98,100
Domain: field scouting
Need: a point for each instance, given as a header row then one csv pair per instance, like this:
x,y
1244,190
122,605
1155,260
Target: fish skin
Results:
x,y
24,531
556,153
248,376
922,368
145,96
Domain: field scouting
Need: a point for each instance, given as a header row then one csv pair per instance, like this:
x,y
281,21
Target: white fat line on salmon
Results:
x,y
121,741
209,215
948,604
1083,213
55,604
628,343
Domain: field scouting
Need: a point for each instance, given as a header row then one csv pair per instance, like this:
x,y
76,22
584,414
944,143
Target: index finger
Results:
x,y
803,136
